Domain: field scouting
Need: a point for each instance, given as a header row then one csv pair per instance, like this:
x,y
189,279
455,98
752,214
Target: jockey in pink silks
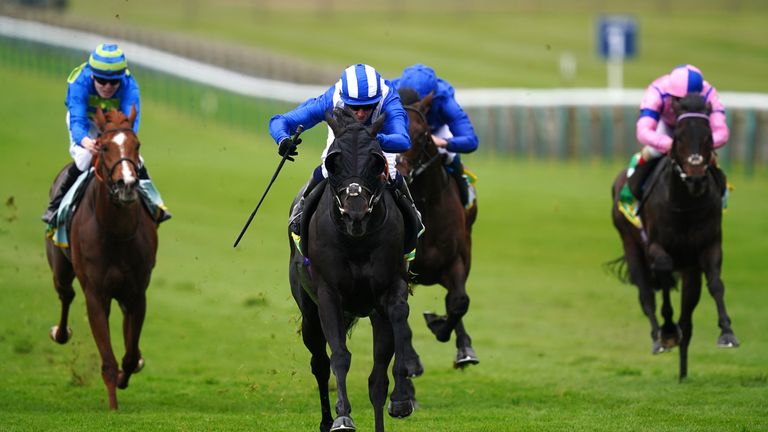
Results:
x,y
657,120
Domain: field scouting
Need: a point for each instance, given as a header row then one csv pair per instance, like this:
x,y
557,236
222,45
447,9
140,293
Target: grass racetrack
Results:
x,y
563,346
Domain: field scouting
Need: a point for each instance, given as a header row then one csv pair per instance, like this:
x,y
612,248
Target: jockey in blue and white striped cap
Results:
x,y
360,85
363,89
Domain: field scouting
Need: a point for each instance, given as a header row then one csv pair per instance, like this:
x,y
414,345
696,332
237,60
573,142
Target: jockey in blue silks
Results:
x,y
368,95
104,81
452,130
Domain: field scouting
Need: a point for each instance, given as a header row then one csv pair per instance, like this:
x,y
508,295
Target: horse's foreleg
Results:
x,y
691,293
711,262
133,320
669,334
378,381
465,354
332,322
98,317
407,363
456,300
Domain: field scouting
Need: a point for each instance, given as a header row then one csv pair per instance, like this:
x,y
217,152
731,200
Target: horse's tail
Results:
x,y
618,267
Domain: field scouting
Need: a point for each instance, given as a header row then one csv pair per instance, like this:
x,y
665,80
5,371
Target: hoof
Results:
x,y
728,340
400,409
670,339
435,323
465,357
64,338
658,348
343,423
414,368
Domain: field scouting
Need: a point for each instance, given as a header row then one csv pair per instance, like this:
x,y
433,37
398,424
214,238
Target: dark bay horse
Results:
x,y
354,267
443,253
113,242
681,236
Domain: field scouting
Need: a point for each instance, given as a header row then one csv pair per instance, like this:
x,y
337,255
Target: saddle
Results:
x,y
58,231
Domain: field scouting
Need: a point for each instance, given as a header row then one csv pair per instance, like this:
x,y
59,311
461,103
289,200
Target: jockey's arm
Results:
x,y
464,139
648,121
132,98
393,136
309,113
717,120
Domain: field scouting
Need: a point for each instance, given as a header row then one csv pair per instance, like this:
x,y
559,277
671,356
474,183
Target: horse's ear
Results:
x,y
132,115
332,121
376,126
426,103
100,119
677,106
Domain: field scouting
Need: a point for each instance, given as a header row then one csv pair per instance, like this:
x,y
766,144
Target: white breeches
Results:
x,y
445,133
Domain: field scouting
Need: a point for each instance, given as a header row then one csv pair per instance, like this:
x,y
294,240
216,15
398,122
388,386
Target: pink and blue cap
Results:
x,y
685,79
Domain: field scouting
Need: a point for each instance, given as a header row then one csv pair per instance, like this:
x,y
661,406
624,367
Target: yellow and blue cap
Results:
x,y
108,61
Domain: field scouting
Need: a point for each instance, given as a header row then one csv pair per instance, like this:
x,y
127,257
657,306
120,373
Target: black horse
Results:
x,y
444,252
353,266
681,212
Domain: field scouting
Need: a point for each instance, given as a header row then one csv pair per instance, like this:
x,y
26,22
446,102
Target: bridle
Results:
x,y
353,190
99,164
694,159
417,167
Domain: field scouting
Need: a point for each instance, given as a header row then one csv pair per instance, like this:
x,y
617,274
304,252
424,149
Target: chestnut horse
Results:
x,y
354,267
113,242
681,214
443,252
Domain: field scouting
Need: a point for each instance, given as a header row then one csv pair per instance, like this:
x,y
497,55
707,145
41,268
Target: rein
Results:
x,y
427,136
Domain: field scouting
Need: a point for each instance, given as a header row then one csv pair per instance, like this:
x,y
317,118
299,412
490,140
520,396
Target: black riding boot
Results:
x,y
67,180
456,169
413,224
294,220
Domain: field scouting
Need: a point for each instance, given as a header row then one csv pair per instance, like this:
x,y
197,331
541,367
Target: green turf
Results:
x,y
482,43
563,346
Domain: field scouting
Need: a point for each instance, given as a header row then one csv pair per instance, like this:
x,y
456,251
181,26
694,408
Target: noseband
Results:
x,y
694,159
353,190
99,164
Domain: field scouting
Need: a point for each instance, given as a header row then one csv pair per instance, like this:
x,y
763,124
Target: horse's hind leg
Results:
x,y
691,293
456,302
133,320
314,340
63,276
712,262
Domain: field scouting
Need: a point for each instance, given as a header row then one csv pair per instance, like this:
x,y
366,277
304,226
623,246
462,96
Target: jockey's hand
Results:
x,y
440,142
90,144
288,147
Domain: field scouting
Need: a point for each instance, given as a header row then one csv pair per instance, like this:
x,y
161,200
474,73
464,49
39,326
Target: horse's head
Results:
x,y
423,152
356,169
692,148
117,163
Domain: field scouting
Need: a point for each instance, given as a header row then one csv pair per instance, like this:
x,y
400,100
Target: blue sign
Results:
x,y
616,37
